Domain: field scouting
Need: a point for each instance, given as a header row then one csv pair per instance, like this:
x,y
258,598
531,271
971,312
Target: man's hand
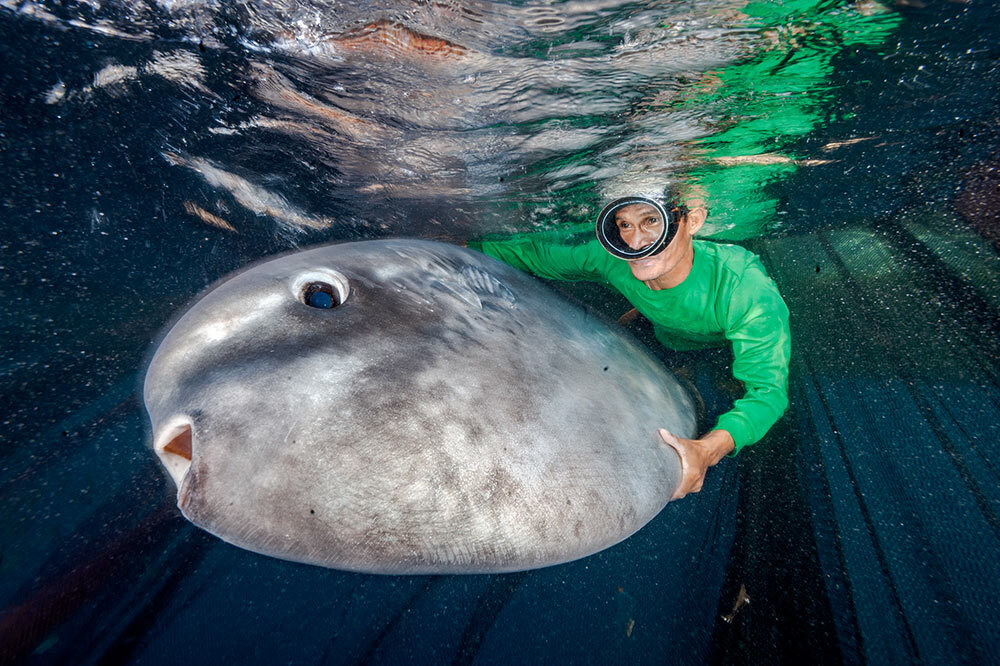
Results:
x,y
697,455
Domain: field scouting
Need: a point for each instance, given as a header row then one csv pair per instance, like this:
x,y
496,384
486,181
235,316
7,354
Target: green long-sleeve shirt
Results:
x,y
727,296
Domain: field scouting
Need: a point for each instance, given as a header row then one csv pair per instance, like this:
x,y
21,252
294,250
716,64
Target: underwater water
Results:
x,y
150,148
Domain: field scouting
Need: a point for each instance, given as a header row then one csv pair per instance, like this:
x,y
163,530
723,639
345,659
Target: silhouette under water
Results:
x,y
150,148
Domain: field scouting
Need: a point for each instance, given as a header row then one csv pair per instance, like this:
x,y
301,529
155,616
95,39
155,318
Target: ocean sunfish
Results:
x,y
406,406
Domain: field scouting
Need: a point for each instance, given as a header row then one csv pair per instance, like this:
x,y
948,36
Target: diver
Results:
x,y
696,293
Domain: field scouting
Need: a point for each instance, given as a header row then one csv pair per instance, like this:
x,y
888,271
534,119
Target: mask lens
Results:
x,y
635,212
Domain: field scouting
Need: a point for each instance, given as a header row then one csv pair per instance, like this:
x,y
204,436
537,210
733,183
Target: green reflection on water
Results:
x,y
755,111
768,101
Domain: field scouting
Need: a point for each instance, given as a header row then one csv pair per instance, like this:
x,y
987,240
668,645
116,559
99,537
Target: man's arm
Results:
x,y
553,260
758,329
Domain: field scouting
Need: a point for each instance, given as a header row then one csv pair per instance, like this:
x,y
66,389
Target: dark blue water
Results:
x,y
864,528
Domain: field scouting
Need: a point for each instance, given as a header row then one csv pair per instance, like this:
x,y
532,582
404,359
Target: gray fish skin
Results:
x,y
452,415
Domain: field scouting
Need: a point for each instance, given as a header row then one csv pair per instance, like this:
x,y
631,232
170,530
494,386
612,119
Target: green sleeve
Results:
x,y
553,260
757,326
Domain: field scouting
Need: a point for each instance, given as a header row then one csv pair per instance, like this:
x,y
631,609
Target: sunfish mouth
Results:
x,y
174,446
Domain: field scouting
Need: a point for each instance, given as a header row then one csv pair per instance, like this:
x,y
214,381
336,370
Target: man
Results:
x,y
696,294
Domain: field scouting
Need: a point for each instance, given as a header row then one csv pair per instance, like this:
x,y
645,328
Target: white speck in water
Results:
x,y
56,93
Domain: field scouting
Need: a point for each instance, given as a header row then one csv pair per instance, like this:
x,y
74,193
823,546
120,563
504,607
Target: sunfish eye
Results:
x,y
320,295
320,288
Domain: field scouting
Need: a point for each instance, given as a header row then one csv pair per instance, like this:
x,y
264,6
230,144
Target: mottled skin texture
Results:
x,y
452,415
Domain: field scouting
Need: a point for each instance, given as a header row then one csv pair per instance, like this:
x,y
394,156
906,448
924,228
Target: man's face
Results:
x,y
639,225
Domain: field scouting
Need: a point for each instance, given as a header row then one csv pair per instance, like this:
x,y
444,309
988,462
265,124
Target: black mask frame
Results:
x,y
610,236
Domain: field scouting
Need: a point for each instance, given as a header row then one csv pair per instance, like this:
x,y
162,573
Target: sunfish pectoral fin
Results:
x,y
174,446
475,287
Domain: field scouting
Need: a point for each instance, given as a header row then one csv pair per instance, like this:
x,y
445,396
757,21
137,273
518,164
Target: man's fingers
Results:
x,y
672,441
675,444
668,437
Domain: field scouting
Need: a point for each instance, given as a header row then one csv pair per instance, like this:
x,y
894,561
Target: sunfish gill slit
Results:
x,y
175,446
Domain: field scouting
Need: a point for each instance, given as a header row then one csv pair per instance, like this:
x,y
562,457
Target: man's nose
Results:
x,y
641,238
